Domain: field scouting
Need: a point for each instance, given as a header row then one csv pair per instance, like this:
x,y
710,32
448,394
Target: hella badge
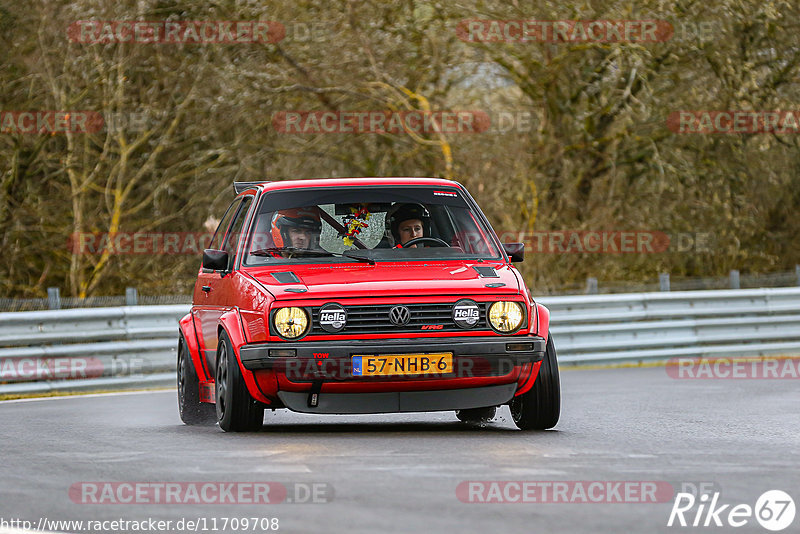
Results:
x,y
466,313
332,318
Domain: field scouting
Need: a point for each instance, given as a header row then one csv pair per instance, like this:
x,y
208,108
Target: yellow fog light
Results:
x,y
291,322
506,316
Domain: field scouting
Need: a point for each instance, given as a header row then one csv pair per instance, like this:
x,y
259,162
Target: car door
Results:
x,y
212,289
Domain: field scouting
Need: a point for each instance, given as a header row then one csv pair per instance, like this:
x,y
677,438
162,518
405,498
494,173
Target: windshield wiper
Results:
x,y
359,258
308,253
297,251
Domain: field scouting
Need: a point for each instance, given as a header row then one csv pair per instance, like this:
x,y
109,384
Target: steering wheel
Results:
x,y
437,242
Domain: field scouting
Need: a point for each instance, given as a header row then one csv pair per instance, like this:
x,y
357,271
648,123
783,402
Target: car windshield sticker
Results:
x,y
355,222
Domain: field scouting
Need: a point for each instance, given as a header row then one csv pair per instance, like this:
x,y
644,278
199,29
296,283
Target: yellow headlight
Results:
x,y
291,322
506,316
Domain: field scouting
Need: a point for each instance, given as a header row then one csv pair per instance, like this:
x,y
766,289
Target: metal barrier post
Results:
x,y
53,298
131,296
663,281
591,286
734,279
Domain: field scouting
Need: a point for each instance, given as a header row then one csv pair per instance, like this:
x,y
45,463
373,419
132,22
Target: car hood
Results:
x,y
352,280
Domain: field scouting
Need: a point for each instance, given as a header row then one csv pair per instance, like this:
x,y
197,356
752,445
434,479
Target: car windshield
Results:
x,y
372,223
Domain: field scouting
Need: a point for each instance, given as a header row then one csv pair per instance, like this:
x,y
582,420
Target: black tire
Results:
x,y
539,408
476,415
191,410
237,411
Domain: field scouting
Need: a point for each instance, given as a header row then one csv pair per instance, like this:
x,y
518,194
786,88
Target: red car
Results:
x,y
362,295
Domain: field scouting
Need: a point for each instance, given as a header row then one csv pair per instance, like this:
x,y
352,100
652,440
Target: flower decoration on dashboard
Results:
x,y
355,222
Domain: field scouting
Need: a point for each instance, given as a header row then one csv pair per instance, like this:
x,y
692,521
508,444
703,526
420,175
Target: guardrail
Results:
x,y
91,348
657,326
135,345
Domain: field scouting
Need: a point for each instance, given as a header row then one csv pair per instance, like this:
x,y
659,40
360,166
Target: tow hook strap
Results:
x,y
313,395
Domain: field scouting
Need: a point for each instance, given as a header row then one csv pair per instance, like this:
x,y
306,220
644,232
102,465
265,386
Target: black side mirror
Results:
x,y
515,251
215,260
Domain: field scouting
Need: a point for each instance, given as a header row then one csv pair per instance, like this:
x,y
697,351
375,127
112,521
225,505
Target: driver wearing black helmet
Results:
x,y
410,221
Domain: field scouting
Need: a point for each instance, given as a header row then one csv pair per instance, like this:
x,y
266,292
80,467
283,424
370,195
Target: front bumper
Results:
x,y
495,354
400,401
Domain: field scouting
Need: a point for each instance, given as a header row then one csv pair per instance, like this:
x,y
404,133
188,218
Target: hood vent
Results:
x,y
486,272
286,277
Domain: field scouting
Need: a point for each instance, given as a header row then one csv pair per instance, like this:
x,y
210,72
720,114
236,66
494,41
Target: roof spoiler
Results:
x,y
238,187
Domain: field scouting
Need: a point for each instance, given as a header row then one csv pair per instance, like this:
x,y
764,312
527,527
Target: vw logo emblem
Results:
x,y
399,315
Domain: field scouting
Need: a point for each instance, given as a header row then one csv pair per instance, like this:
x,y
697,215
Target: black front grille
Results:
x,y
374,319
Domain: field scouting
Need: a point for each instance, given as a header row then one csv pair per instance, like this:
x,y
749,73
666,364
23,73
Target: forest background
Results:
x,y
580,139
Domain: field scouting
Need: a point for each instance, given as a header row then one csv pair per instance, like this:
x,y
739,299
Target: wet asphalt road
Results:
x,y
399,473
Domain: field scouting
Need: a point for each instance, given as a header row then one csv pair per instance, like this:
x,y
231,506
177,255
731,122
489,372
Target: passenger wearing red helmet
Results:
x,y
297,228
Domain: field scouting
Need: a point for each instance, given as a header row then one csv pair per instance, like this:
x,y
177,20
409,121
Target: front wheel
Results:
x,y
237,411
540,407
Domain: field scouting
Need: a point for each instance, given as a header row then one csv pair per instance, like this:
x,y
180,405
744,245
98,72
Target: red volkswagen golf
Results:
x,y
362,295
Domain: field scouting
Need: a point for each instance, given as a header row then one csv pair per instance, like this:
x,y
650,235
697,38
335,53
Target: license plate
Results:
x,y
402,364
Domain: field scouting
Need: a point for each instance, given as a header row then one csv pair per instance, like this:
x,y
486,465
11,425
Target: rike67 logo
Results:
x,y
774,510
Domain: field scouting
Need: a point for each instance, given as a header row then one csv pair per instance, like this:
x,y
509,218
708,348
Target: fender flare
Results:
x,y
542,321
187,330
231,324
542,315
524,385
